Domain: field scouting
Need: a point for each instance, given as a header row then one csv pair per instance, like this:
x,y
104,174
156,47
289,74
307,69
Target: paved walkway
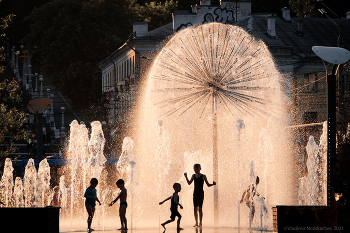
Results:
x,y
169,230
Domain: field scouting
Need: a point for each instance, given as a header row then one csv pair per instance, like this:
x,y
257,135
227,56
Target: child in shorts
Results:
x,y
198,192
123,204
90,201
173,207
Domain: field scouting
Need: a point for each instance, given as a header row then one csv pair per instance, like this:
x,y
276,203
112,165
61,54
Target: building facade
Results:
x,y
289,39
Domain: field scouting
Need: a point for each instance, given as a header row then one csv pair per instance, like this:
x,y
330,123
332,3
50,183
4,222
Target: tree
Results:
x,y
71,38
11,126
155,13
299,7
12,121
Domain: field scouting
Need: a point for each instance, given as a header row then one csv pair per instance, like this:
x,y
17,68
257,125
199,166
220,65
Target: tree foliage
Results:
x,y
155,13
72,37
299,7
11,127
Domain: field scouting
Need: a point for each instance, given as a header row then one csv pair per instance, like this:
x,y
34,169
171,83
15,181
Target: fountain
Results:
x,y
205,80
312,186
213,97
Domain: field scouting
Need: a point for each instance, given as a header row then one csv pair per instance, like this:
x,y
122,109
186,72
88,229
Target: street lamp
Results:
x,y
36,82
62,126
336,56
37,107
41,79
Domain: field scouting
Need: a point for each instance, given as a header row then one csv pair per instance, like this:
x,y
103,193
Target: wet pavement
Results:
x,y
64,229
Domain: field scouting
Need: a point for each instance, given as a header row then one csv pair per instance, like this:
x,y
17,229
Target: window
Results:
x,y
309,82
117,74
120,73
133,64
310,117
130,66
124,76
103,82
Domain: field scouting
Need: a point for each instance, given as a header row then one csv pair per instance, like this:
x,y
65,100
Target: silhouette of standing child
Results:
x,y
123,204
198,192
90,201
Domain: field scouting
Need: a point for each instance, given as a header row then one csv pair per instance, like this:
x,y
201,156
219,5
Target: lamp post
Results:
x,y
62,126
26,61
335,56
52,119
36,82
37,107
41,79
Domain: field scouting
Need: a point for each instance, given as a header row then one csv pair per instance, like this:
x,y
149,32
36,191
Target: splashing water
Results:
x,y
203,73
6,183
18,192
42,185
30,176
313,186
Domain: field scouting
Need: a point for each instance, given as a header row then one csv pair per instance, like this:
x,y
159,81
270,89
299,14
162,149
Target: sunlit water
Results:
x,y
202,73
175,126
313,186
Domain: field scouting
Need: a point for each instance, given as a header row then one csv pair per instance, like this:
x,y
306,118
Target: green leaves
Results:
x,y
72,37
11,127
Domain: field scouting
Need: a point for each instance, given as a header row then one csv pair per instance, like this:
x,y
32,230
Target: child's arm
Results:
x,y
164,200
242,197
115,200
188,181
206,181
122,192
98,201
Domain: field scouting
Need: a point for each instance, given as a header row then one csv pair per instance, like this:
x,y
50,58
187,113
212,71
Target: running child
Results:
x,y
173,207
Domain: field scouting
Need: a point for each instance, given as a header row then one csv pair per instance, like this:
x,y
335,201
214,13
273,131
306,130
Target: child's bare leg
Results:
x,y
90,210
200,216
253,211
178,223
196,215
122,211
164,223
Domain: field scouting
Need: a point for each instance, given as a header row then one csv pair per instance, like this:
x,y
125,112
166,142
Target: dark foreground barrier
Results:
x,y
33,219
299,219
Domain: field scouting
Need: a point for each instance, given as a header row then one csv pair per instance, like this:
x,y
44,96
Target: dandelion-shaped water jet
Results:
x,y
210,68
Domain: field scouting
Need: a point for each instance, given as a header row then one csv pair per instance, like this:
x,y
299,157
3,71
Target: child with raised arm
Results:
x,y
90,201
173,207
123,204
198,192
248,196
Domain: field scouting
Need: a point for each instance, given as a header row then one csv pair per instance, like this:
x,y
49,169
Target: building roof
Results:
x,y
311,32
